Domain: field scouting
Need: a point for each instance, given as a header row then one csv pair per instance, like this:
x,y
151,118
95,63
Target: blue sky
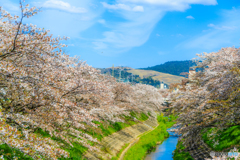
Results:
x,y
138,33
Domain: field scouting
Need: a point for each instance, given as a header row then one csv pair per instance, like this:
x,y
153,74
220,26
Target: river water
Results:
x,y
164,151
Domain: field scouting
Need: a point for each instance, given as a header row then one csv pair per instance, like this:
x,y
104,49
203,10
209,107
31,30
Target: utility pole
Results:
x,y
120,70
113,70
120,74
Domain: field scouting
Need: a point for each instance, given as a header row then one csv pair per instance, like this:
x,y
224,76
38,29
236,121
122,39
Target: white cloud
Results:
x,y
135,28
176,5
102,21
211,25
122,7
61,5
173,2
123,36
190,17
158,35
222,27
179,35
228,27
138,9
67,18
11,7
116,6
100,45
224,34
132,30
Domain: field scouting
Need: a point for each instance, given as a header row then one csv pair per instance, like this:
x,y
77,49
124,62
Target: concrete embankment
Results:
x,y
111,145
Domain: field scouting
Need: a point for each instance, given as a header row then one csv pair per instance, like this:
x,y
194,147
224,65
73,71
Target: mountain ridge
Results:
x,y
172,67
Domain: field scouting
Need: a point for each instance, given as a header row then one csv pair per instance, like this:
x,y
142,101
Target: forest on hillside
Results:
x,y
173,67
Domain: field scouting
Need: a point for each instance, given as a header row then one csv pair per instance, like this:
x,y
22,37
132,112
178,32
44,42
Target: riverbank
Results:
x,y
213,140
148,142
180,154
222,140
112,145
77,150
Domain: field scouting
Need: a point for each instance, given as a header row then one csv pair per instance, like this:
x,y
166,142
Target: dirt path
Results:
x,y
133,142
115,142
126,149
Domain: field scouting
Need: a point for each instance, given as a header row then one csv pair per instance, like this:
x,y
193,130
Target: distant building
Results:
x,y
123,80
176,89
192,73
163,85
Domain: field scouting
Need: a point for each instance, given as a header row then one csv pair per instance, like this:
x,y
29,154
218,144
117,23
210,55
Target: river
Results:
x,y
164,151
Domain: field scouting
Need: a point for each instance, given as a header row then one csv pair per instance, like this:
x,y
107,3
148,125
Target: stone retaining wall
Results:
x,y
113,144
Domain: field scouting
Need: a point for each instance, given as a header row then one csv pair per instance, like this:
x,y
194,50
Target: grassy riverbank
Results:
x,y
148,142
179,154
105,128
218,140
222,140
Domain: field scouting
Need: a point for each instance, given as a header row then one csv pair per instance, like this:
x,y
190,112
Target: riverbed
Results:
x,y
164,151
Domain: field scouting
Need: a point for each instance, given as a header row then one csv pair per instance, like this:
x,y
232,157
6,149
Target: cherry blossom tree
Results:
x,y
211,97
42,87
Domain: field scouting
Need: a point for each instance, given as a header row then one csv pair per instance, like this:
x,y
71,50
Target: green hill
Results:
x,y
173,67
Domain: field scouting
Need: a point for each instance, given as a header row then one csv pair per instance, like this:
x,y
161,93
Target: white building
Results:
x,y
163,85
192,73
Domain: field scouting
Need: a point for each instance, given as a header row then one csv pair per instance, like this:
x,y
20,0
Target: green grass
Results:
x,y
107,128
75,152
227,138
138,116
143,117
179,154
11,153
104,129
120,152
148,142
